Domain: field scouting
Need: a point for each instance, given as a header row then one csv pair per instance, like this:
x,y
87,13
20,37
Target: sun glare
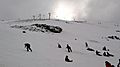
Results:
x,y
64,12
70,11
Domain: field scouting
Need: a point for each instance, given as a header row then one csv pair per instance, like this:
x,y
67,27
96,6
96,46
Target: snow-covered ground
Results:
x,y
45,52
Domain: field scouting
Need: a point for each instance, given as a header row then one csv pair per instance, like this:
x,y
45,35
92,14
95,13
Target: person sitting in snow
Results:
x,y
98,53
90,49
27,46
105,49
107,64
67,59
69,48
110,54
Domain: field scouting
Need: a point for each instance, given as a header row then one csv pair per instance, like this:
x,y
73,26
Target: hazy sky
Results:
x,y
107,10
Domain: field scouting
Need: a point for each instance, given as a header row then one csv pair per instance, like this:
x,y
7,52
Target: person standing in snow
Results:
x,y
86,44
118,63
27,46
69,48
108,64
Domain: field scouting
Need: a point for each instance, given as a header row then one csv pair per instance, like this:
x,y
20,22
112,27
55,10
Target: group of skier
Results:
x,y
69,49
28,48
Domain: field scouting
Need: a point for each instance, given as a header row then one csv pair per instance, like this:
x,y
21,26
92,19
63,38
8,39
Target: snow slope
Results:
x,y
45,52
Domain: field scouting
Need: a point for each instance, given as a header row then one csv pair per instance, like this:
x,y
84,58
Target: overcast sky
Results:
x,y
107,10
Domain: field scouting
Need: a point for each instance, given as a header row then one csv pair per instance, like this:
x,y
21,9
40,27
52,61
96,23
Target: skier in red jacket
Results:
x,y
107,64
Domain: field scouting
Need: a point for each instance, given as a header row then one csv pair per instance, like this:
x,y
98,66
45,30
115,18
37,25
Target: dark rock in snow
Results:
x,y
23,31
117,30
75,38
40,27
54,29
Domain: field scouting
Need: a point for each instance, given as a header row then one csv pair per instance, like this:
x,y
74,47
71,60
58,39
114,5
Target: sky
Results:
x,y
105,10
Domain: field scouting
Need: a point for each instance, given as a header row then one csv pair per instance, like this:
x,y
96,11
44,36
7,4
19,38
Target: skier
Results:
x,y
59,46
27,46
69,48
110,54
118,63
67,59
86,44
107,64
104,48
98,53
90,49
105,54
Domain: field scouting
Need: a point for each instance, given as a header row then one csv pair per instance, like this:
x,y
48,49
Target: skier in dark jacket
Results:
x,y
67,59
118,63
86,44
27,46
69,48
104,48
98,53
59,46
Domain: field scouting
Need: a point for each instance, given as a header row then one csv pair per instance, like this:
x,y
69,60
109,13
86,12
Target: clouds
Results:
x,y
106,10
12,9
